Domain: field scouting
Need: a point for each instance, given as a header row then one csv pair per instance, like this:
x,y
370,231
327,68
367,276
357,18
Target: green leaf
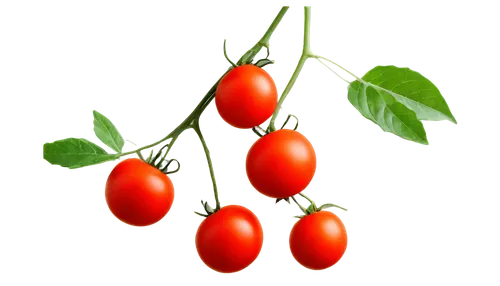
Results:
x,y
382,108
107,132
411,89
75,153
398,100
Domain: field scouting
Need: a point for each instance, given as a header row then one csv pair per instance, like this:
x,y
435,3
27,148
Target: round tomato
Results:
x,y
318,240
281,164
137,193
230,239
246,96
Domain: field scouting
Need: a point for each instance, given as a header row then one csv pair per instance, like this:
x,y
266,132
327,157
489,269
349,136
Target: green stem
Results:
x,y
302,208
192,121
342,72
264,41
187,123
196,113
170,146
309,200
306,53
225,54
209,161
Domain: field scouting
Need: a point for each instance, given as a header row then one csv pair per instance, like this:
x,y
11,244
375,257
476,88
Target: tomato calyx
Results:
x,y
261,132
311,206
251,56
228,59
162,163
263,62
208,209
291,120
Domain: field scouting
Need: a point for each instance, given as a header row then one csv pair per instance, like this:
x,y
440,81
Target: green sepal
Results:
x,y
325,206
263,62
299,216
291,120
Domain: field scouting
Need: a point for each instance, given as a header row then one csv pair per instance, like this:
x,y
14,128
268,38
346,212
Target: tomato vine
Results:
x,y
396,99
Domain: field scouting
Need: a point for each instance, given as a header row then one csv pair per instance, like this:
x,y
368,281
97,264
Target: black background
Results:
x,y
145,63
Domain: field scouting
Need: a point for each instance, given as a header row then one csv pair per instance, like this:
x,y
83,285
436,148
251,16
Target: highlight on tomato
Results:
x,y
318,240
246,96
138,193
281,164
230,239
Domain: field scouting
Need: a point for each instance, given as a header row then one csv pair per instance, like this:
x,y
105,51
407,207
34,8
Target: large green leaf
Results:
x,y
107,132
397,99
75,153
412,90
381,108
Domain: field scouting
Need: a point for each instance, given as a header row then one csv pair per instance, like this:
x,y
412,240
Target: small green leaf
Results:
x,y
107,132
75,153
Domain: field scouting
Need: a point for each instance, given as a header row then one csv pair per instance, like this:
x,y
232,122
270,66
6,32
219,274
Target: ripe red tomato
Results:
x,y
318,240
281,164
246,96
137,193
230,239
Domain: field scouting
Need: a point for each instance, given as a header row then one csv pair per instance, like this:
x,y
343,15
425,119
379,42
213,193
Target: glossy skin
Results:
x,y
246,96
318,240
137,193
281,164
230,239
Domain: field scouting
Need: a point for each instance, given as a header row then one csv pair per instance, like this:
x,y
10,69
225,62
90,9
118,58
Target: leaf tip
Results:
x,y
421,143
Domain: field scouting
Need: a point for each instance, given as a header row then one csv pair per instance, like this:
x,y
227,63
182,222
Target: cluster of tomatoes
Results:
x,y
280,165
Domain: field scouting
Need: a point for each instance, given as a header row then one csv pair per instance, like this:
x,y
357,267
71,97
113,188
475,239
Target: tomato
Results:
x,y
137,193
281,164
318,240
246,96
230,239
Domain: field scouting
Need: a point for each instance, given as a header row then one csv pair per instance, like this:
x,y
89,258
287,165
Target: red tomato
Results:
x,y
137,193
318,240
281,164
230,239
246,96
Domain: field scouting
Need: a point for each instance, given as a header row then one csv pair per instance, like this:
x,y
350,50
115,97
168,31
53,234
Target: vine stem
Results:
x,y
309,200
264,41
306,54
343,73
192,121
302,208
186,124
209,161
